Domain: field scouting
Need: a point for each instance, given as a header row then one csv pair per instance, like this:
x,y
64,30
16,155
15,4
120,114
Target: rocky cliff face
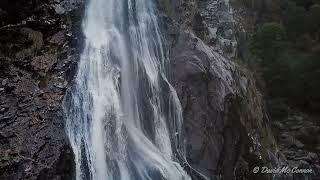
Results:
x,y
38,54
228,129
226,126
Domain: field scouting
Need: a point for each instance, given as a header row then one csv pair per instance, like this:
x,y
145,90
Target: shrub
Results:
x,y
269,41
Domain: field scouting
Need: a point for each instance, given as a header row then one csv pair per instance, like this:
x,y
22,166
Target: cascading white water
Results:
x,y
123,117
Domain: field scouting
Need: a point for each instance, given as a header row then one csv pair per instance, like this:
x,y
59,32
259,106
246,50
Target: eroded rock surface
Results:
x,y
228,129
38,53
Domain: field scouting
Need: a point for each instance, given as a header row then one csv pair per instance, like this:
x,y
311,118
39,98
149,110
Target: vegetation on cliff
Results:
x,y
287,42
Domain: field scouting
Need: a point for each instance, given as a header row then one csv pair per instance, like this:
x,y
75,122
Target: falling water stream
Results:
x,y
123,118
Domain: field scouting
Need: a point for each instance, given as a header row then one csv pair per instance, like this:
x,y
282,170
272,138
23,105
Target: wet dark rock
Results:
x,y
3,15
35,55
35,40
59,38
297,139
42,64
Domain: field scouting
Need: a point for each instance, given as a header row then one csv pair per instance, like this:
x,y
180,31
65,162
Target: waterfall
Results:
x,y
123,118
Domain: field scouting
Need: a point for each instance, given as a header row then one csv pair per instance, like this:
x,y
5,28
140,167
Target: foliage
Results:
x,y
287,43
269,41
